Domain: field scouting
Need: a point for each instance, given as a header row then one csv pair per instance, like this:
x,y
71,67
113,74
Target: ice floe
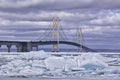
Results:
x,y
44,64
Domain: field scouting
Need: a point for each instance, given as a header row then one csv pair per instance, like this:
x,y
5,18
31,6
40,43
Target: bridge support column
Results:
x,y
37,48
18,48
9,46
26,47
29,47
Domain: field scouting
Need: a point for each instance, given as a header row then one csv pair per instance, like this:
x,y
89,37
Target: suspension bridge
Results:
x,y
54,35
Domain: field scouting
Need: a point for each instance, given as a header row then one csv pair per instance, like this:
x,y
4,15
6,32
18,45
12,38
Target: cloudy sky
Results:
x,y
28,19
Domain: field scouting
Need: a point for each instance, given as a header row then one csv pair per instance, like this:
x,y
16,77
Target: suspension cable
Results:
x,y
63,32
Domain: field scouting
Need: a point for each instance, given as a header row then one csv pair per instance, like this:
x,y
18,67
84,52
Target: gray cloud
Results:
x,y
57,4
60,4
28,19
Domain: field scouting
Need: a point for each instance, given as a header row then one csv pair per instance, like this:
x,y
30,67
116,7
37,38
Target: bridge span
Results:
x,y
26,46
54,36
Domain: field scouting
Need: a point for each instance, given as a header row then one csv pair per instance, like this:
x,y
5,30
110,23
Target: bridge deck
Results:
x,y
37,43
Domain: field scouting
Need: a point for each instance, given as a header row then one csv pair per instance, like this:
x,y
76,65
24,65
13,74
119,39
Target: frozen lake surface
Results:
x,y
79,78
42,65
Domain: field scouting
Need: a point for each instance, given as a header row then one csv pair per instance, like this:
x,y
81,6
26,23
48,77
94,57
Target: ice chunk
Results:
x,y
92,61
35,55
55,63
32,71
43,64
93,65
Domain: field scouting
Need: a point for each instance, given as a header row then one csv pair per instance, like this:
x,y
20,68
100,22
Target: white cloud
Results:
x,y
57,3
44,15
3,22
60,4
108,20
29,24
18,3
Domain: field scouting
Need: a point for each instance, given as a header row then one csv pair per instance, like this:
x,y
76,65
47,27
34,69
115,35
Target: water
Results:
x,y
63,50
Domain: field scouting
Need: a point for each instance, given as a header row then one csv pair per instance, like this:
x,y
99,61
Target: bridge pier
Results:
x,y
8,46
26,47
37,48
29,46
18,48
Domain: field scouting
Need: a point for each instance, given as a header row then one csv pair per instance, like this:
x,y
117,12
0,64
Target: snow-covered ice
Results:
x,y
34,55
44,64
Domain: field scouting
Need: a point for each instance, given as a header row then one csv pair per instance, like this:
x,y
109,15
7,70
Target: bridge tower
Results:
x,y
55,33
79,39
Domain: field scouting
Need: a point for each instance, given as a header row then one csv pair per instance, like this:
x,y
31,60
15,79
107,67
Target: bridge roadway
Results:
x,y
26,46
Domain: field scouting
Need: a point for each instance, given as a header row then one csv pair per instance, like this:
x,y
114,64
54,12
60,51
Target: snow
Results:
x,y
34,55
46,65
